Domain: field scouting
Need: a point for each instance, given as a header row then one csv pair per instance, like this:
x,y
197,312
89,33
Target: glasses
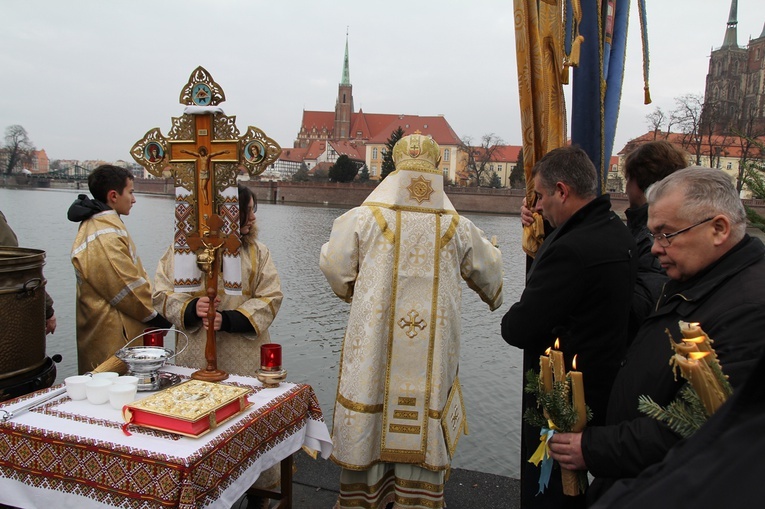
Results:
x,y
663,238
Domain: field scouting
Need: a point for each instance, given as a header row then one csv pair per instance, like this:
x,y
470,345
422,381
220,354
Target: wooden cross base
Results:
x,y
209,375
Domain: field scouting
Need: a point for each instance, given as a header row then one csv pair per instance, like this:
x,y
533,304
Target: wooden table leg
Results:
x,y
285,496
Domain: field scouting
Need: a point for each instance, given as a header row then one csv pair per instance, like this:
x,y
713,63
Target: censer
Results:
x,y
145,361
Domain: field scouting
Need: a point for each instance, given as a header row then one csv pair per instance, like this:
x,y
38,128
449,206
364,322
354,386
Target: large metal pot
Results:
x,y
22,311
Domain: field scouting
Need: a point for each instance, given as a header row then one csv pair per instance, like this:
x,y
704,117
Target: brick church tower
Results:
x,y
344,104
734,99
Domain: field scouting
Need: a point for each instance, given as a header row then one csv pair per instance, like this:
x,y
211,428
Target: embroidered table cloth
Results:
x,y
67,453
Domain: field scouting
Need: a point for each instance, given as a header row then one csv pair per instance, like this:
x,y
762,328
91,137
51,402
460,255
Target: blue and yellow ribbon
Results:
x,y
542,454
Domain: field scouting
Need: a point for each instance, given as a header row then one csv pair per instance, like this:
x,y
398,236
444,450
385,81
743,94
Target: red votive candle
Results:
x,y
153,337
271,357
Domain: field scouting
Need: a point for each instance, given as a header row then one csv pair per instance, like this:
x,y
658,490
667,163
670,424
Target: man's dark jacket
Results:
x,y
728,301
579,289
719,466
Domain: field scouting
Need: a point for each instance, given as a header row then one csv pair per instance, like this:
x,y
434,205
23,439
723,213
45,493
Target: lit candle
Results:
x,y
558,365
702,379
271,357
545,372
577,397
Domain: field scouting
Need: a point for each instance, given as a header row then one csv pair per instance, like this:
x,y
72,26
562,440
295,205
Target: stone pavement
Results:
x,y
316,486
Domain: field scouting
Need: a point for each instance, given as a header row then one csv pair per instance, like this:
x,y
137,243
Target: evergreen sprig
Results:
x,y
684,415
557,403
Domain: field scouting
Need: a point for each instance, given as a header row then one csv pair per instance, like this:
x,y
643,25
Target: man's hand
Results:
x,y
203,306
566,449
527,216
217,324
50,325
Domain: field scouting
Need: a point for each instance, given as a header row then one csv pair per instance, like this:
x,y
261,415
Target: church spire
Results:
x,y
346,67
731,32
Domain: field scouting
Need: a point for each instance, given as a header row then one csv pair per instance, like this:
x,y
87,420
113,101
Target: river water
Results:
x,y
312,320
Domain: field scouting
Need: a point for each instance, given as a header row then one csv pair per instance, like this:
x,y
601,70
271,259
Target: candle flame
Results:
x,y
697,340
573,363
547,352
697,355
557,343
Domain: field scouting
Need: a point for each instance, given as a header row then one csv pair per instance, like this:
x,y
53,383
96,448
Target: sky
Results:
x,y
88,78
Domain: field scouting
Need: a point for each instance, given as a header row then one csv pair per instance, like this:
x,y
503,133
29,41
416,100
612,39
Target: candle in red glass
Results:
x,y
153,337
271,356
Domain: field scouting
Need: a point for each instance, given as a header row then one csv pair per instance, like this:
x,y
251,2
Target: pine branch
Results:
x,y
685,415
556,403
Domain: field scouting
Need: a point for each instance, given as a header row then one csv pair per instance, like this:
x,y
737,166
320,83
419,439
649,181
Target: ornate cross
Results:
x,y
204,152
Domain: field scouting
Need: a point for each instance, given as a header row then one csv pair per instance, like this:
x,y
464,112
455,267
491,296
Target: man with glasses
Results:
x,y
717,278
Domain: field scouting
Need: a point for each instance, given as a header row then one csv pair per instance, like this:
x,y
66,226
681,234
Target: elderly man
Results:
x,y
579,289
717,277
400,259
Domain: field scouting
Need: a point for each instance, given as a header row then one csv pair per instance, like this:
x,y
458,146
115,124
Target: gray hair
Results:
x,y
708,192
570,165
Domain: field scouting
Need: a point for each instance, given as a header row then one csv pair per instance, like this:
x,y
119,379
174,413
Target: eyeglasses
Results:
x,y
663,238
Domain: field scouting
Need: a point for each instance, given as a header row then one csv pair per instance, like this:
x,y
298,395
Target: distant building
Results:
x,y
734,99
502,160
365,134
725,152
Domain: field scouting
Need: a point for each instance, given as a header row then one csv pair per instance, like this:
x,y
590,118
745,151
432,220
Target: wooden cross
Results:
x,y
192,139
204,151
207,246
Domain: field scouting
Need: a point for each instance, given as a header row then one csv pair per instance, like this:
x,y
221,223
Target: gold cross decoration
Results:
x,y
204,153
412,324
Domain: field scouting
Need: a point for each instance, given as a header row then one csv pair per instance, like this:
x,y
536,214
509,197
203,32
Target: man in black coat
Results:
x,y
719,466
717,277
578,289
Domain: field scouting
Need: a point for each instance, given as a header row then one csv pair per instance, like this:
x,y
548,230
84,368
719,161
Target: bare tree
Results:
x,y
18,148
480,158
687,116
655,121
748,131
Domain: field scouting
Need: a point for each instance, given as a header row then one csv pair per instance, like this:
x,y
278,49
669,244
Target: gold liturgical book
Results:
x,y
192,408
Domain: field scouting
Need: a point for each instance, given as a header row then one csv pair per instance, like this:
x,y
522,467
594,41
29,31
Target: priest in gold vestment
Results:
x,y
399,259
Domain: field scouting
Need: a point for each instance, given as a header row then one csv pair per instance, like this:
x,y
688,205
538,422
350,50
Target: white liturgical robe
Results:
x,y
399,260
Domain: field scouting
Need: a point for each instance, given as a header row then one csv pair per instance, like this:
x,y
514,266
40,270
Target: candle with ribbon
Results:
x,y
271,357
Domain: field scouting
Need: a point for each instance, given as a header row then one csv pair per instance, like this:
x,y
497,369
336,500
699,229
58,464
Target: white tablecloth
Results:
x,y
69,453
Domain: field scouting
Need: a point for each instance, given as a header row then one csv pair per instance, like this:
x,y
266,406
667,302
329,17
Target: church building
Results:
x,y
325,135
734,99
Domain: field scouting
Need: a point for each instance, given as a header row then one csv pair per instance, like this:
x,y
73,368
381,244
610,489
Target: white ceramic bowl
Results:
x,y
127,379
75,386
122,394
97,391
108,375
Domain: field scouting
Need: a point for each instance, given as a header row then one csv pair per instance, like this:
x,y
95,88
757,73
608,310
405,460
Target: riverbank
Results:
x,y
332,194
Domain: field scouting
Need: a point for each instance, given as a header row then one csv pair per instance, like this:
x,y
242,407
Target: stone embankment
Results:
x,y
464,199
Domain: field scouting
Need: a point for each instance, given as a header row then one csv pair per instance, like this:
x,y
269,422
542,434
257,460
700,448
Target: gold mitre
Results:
x,y
417,152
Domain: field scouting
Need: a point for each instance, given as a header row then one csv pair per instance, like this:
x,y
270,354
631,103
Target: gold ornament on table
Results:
x,y
708,386
563,409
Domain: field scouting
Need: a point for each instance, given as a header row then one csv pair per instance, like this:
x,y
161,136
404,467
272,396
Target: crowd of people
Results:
x,y
609,292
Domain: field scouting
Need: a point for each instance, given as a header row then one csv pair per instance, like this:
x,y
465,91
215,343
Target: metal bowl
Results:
x,y
144,359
